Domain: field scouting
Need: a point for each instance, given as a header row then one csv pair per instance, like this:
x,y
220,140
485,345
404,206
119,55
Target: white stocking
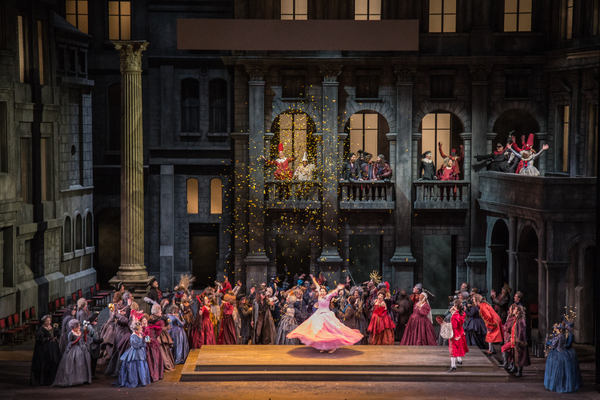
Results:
x,y
491,346
452,362
459,359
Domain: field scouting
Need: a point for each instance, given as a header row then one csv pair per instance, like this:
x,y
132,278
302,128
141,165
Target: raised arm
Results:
x,y
441,150
515,153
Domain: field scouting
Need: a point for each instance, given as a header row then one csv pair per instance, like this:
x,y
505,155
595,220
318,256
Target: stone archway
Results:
x,y
519,122
373,128
498,246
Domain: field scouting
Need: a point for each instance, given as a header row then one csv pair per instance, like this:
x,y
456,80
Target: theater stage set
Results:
x,y
354,364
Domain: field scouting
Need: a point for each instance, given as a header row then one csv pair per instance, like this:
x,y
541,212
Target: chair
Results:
x,y
6,330
19,328
29,328
533,315
95,299
73,298
32,321
106,295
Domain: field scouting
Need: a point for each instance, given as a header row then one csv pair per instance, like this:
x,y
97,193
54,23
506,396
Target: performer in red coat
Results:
x,y
458,343
282,163
492,321
381,325
454,157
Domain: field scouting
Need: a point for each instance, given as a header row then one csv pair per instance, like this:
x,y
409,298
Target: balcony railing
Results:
x,y
292,194
442,195
367,195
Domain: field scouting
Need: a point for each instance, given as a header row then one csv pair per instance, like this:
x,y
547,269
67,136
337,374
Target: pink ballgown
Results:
x,y
323,330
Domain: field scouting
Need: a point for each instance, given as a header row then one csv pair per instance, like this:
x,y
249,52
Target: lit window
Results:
x,y
294,9
192,196
190,105
442,16
435,129
23,53
41,50
517,15
568,34
292,133
77,14
46,161
119,20
367,9
563,142
217,106
216,196
67,241
364,132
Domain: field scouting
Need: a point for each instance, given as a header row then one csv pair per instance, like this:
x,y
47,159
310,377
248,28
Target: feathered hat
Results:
x,y
185,281
375,277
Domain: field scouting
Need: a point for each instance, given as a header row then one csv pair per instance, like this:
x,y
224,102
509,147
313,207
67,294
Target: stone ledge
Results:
x,y
367,205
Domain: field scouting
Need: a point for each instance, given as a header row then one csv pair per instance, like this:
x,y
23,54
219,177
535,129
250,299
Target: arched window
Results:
x,y
217,106
367,131
78,232
67,239
192,196
441,127
294,129
190,105
114,117
216,196
89,229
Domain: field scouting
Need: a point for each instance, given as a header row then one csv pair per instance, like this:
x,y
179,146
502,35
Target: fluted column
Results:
x,y
543,159
132,160
466,137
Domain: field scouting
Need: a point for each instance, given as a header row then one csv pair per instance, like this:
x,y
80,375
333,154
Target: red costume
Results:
x,y
419,330
457,159
525,146
493,323
227,334
458,343
153,354
381,326
208,329
283,170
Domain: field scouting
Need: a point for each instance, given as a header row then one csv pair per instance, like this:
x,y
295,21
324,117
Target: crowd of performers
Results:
x,y
137,348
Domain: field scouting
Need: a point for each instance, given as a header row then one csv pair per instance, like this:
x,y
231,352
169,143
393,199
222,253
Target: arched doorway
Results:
x,y
295,130
527,277
441,127
108,244
367,131
519,122
498,255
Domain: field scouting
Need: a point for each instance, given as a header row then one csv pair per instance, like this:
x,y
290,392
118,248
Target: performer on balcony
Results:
x,y
427,167
456,159
499,159
282,163
527,159
323,330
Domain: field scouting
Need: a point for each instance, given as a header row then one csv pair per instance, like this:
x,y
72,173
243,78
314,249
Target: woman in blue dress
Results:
x,y
181,346
134,370
562,366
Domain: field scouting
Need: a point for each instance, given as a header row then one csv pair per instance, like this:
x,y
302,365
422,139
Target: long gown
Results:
x,y
227,333
381,326
107,333
419,330
134,367
323,330
76,365
286,325
181,347
166,346
208,331
474,327
153,354
64,333
195,335
46,358
562,366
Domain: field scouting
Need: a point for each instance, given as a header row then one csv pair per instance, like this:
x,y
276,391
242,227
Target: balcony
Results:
x,y
292,195
442,195
366,195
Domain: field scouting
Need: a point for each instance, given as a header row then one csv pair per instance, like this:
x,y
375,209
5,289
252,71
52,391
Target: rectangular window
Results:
x,y
46,161
367,86
26,184
516,86
593,140
216,196
441,86
517,15
562,142
77,14
292,133
568,27
293,87
41,51
217,97
294,9
192,196
436,129
367,10
364,130
442,16
119,20
3,137
23,53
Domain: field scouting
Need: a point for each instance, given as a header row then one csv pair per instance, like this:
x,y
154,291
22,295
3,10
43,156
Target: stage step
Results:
x,y
338,368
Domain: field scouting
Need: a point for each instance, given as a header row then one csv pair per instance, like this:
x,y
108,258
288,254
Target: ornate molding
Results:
x,y
256,73
405,74
130,53
331,72
479,73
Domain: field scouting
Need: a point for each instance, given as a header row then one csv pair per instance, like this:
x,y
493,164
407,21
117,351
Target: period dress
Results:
x,y
527,162
134,367
107,333
419,330
166,346
283,170
458,344
562,366
153,354
323,330
208,331
381,326
227,335
181,347
76,365
427,170
286,325
474,327
46,357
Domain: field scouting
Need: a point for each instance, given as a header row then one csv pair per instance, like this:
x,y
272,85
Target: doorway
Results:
x,y
108,243
293,256
365,257
204,253
439,272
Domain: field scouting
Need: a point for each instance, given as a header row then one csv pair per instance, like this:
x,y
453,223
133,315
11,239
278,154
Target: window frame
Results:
x,y
195,208
294,14
443,14
300,75
519,15
220,191
185,86
23,48
220,109
120,15
568,19
368,14
562,165
78,15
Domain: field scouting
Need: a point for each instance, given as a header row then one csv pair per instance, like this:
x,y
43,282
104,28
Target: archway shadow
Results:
x,y
309,352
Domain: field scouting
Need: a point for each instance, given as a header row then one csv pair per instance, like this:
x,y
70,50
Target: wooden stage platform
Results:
x,y
354,363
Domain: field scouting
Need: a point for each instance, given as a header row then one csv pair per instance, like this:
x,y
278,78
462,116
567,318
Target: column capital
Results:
x,y
542,136
257,73
405,73
479,73
491,135
330,73
130,52
391,136
465,135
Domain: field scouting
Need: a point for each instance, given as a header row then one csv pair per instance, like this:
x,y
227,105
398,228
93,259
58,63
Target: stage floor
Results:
x,y
354,363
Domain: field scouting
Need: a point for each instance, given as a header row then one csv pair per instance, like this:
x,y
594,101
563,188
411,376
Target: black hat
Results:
x,y
240,296
93,317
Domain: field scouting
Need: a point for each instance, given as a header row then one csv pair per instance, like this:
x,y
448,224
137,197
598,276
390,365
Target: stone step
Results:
x,y
340,368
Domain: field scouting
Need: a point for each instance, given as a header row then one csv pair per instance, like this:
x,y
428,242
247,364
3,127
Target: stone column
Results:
x,y
466,137
392,139
330,261
490,142
132,270
403,261
556,290
167,226
256,261
416,156
512,252
476,260
542,256
543,160
574,120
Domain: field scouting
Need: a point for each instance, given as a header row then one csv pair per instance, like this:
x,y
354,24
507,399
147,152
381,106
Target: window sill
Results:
x,y
441,99
79,253
90,250
294,99
190,134
68,256
217,134
368,99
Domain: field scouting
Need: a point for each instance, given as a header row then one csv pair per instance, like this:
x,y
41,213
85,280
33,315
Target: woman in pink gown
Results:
x,y
419,330
323,330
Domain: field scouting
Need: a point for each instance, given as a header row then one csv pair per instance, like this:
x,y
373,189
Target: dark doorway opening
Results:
x,y
108,244
365,257
204,253
499,247
439,268
293,256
